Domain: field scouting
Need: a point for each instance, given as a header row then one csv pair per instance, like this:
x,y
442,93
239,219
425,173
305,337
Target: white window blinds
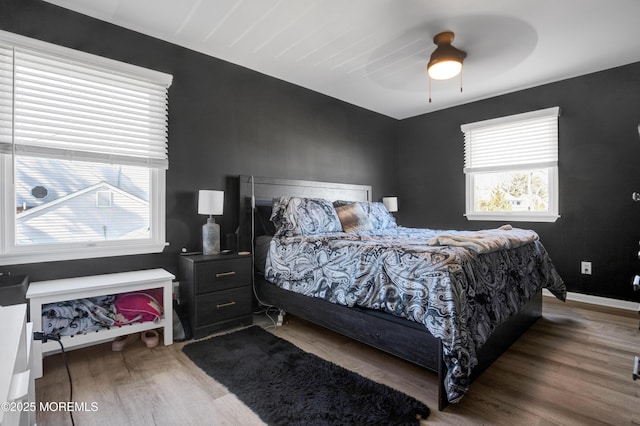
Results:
x,y
57,106
520,141
6,99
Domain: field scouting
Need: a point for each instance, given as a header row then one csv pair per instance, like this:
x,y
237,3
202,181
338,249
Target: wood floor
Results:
x,y
573,367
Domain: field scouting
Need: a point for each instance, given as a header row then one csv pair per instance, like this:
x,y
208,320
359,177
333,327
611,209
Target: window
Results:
x,y
103,198
83,154
511,167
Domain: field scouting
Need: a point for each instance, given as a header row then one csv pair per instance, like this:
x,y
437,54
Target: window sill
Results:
x,y
513,217
18,258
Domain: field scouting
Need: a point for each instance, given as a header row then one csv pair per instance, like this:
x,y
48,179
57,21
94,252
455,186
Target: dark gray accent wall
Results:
x,y
224,121
599,169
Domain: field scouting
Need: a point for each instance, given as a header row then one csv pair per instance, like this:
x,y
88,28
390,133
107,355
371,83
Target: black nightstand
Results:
x,y
216,290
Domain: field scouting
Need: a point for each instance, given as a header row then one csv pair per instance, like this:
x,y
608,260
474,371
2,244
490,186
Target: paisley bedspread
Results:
x,y
458,294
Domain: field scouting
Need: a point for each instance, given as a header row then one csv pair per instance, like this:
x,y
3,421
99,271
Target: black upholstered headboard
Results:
x,y
266,189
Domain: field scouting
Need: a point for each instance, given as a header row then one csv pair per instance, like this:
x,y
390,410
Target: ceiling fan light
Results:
x,y
444,70
446,61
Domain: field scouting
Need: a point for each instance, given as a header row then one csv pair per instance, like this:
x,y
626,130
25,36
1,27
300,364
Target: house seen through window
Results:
x,y
85,202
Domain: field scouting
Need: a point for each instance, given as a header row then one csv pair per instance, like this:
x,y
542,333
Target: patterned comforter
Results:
x,y
457,293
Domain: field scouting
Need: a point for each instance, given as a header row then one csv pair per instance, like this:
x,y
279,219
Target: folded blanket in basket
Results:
x,y
485,241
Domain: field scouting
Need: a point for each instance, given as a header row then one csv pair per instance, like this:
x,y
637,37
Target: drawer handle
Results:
x,y
225,274
224,305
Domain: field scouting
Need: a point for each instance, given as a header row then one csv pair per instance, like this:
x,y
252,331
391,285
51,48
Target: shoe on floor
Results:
x,y
150,338
121,341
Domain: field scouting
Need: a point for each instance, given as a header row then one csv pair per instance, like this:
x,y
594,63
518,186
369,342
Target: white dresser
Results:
x,y
17,384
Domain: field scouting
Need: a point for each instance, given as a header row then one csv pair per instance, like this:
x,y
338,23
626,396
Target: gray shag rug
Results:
x,y
284,385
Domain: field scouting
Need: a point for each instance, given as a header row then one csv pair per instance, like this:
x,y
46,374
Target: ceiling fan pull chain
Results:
x,y
429,78
460,81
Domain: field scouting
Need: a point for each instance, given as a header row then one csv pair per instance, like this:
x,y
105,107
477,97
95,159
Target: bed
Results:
x,y
456,340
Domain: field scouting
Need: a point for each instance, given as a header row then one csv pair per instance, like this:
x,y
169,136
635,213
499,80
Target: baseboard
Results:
x,y
597,300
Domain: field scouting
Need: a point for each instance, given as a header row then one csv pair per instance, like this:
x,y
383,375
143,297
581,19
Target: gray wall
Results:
x,y
599,168
224,121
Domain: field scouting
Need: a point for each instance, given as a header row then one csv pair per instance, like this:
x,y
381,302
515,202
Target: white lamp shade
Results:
x,y
391,203
210,202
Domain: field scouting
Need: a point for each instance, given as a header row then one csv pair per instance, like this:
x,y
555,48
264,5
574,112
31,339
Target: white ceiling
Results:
x,y
373,53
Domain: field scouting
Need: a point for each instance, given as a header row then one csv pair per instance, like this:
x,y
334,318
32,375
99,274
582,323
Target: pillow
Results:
x,y
138,306
379,215
353,218
278,210
304,216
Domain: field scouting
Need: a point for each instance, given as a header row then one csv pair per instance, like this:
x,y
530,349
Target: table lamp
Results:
x,y
391,203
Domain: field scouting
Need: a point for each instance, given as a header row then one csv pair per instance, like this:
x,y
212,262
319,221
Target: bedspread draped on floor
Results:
x,y
458,294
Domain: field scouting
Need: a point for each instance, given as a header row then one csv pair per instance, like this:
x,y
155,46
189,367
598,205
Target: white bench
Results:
x,y
43,292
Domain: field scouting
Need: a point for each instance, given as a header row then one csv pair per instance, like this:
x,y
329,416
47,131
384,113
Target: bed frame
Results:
x,y
403,338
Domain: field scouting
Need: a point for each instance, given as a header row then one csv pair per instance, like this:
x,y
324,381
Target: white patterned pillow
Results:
x,y
379,215
304,216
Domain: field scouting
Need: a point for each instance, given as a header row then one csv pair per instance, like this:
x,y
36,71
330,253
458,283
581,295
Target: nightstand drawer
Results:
x,y
223,274
223,305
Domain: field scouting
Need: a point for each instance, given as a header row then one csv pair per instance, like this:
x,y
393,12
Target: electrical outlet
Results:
x,y
585,268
